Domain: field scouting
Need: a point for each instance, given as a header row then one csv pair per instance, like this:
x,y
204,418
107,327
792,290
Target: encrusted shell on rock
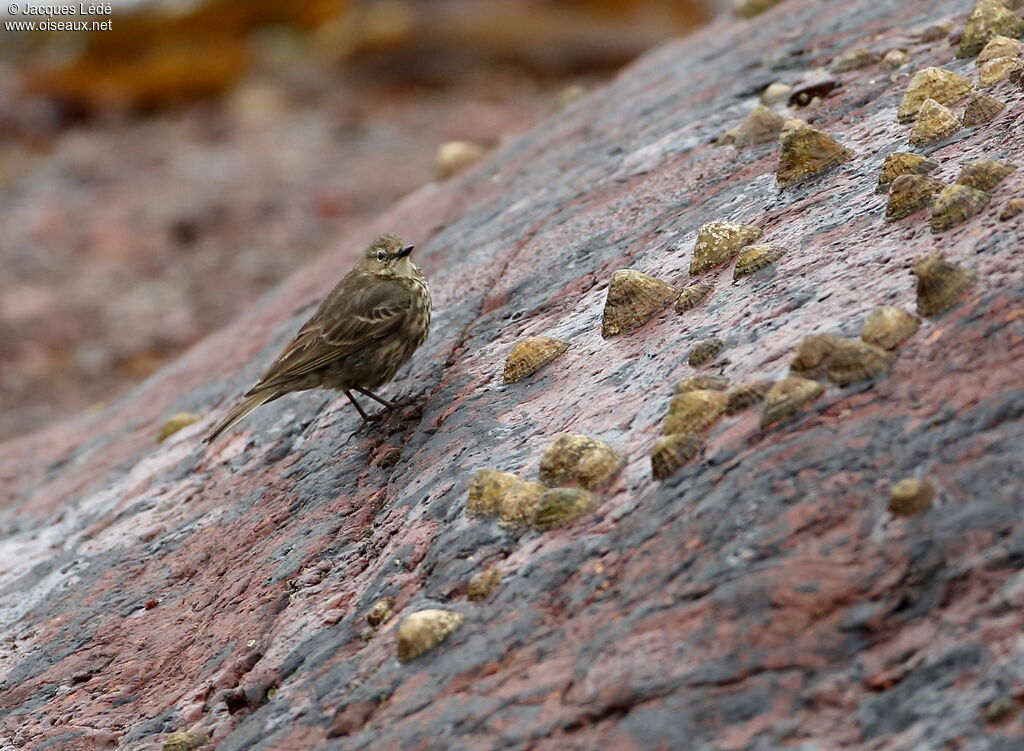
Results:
x,y
693,296
841,360
934,122
487,490
941,85
633,298
530,355
673,451
185,741
985,174
998,70
519,503
560,506
854,59
1011,209
753,258
176,423
910,193
940,283
380,611
787,397
1000,46
955,205
761,126
981,108
704,350
887,326
718,242
990,18
423,630
747,395
903,163
693,411
580,458
702,382
807,151
911,496
482,584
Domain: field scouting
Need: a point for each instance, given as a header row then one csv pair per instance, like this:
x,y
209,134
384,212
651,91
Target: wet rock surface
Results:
x,y
759,596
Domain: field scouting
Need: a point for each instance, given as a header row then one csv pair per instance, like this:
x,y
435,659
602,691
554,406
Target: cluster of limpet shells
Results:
x,y
838,359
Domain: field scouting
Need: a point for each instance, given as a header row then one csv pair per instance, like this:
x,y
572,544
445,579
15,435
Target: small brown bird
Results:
x,y
358,338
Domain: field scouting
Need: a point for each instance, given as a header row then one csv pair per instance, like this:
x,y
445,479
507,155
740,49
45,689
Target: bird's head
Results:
x,y
388,256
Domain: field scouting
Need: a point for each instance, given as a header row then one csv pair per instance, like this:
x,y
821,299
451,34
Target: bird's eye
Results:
x,y
381,256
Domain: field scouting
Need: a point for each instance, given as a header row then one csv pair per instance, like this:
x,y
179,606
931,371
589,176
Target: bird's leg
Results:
x,y
367,392
366,417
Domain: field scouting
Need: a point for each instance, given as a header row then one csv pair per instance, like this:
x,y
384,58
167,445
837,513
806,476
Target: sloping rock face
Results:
x,y
761,597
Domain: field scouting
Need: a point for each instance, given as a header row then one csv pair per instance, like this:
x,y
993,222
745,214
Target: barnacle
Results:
x,y
839,359
940,283
633,297
701,382
519,503
788,397
530,355
423,630
761,126
693,296
560,506
483,583
998,70
176,423
985,174
990,18
941,85
380,611
717,242
747,395
911,496
579,458
487,490
756,257
887,326
903,163
1000,46
673,451
910,193
956,204
693,411
807,151
934,122
705,349
981,108
854,59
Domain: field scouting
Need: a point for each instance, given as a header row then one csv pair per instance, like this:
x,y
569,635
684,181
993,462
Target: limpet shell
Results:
x,y
580,458
1011,209
693,296
482,584
423,630
633,298
175,423
380,611
185,741
693,411
985,174
934,122
999,46
561,506
910,193
894,59
487,490
981,108
911,496
955,205
990,18
787,397
903,163
940,283
841,360
775,93
753,258
673,451
530,355
455,156
519,503
887,326
704,350
761,126
938,84
998,70
718,242
747,395
807,151
854,59
701,382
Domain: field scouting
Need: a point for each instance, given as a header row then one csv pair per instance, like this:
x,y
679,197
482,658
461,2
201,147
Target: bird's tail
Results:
x,y
243,408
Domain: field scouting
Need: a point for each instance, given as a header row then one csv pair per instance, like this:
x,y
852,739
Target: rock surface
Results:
x,y
761,597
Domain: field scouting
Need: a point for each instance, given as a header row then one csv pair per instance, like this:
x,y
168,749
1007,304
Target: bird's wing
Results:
x,y
351,318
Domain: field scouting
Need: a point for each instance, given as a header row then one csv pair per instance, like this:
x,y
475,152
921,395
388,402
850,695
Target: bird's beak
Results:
x,y
404,251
